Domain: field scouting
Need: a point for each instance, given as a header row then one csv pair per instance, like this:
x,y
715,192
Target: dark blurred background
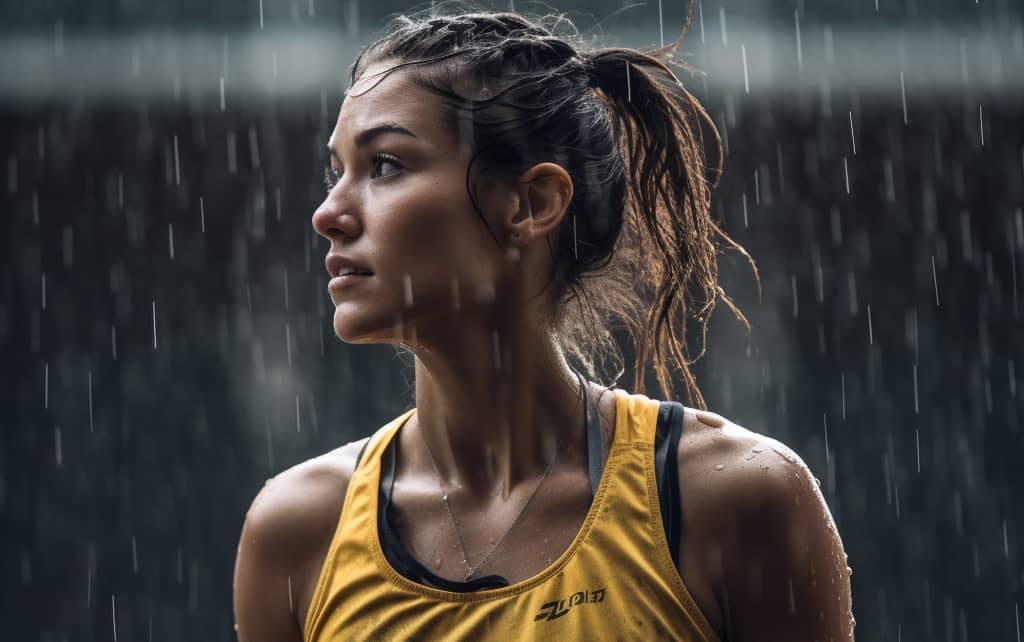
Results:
x,y
165,330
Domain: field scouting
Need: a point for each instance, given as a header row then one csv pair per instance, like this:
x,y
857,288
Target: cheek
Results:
x,y
440,241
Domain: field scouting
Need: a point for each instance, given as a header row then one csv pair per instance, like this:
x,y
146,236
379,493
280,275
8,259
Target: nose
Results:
x,y
333,219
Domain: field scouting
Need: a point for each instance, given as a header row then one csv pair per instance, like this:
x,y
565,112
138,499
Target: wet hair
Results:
x,y
637,248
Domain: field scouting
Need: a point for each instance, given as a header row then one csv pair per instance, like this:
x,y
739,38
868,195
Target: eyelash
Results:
x,y
331,175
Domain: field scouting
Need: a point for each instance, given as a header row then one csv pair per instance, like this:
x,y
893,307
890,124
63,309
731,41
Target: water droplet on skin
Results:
x,y
785,456
720,467
750,456
817,481
764,466
437,563
756,450
850,571
710,419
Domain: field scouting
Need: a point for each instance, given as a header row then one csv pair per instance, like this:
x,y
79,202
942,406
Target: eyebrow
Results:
x,y
364,137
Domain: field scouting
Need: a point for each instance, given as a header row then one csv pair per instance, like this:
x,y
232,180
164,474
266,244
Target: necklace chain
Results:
x,y
470,568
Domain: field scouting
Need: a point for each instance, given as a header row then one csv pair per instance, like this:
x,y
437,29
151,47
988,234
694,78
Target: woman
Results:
x,y
494,195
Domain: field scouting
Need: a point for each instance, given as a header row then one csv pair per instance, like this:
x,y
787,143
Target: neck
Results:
x,y
494,405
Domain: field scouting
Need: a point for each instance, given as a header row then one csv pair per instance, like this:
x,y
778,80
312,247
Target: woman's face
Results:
x,y
398,208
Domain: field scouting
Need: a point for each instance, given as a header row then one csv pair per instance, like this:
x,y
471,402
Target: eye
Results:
x,y
331,177
380,160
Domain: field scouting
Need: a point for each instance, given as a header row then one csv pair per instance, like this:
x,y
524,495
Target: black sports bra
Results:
x,y
669,429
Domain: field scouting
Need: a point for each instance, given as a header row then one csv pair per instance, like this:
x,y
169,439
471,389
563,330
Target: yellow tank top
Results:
x,y
615,581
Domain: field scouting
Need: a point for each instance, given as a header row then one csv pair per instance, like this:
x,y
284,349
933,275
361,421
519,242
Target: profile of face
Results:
x,y
399,209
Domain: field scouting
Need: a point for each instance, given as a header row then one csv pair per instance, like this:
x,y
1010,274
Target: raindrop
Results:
x,y
917,408
661,25
42,286
135,556
1006,542
291,606
903,97
285,271
261,14
935,281
456,303
170,239
254,148
846,174
407,290
796,301
288,341
60,455
721,24
113,615
851,283
799,46
46,385
719,466
842,385
853,139
981,125
871,330
1012,378
154,325
202,215
177,166
232,154
746,77
700,14
222,105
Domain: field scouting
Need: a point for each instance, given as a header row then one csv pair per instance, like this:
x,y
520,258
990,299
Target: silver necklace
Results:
x,y
470,568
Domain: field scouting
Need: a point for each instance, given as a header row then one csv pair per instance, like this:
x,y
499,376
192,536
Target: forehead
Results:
x,y
391,97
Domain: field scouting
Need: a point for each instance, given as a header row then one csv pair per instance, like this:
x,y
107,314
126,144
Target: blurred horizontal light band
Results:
x,y
299,63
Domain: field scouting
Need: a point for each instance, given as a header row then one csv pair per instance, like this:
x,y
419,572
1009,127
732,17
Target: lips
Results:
x,y
338,265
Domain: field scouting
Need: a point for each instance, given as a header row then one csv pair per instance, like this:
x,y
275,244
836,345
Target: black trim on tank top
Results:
x,y
667,434
666,471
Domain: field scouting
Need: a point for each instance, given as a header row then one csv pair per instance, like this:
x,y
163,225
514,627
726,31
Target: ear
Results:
x,y
544,192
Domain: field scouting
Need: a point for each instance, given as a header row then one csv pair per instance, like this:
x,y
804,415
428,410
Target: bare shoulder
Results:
x,y
738,461
284,540
761,533
303,496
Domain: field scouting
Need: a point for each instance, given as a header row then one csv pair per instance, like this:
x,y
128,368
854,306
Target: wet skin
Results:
x,y
495,400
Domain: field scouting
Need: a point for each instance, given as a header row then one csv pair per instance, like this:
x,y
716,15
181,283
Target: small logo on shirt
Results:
x,y
558,608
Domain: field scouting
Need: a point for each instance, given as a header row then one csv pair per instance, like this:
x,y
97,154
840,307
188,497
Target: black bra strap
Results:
x,y
666,471
595,444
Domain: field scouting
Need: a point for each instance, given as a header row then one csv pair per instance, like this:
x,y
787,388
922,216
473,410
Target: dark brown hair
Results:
x,y
637,249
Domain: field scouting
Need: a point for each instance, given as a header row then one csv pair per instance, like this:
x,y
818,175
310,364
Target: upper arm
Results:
x,y
780,571
284,540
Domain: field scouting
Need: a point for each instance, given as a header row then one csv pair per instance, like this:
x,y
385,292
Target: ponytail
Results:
x,y
673,160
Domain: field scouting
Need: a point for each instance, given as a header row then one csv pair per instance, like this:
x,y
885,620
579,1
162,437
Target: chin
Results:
x,y
353,329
